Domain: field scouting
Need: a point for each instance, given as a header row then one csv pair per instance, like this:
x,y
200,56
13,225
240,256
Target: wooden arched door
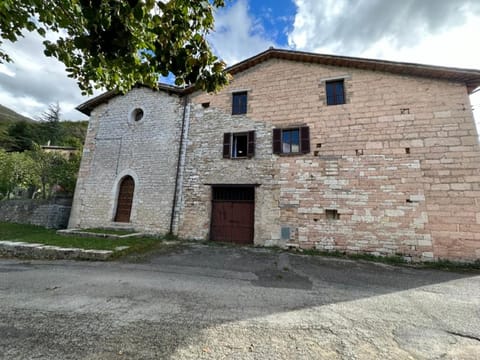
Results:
x,y
125,199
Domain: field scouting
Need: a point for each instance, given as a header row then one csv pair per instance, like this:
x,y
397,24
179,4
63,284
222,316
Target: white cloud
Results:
x,y
238,34
437,32
33,81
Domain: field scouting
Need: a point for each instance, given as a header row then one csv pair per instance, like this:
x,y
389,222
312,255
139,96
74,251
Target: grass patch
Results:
x,y
399,260
452,265
40,235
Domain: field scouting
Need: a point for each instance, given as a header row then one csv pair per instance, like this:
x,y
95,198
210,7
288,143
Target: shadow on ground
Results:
x,y
222,302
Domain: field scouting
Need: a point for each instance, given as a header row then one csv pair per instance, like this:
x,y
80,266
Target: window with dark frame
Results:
x,y
239,145
239,103
335,92
291,140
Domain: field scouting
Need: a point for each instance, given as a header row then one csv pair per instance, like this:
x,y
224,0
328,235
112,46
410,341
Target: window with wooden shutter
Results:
x,y
251,144
305,139
239,145
291,140
277,141
226,145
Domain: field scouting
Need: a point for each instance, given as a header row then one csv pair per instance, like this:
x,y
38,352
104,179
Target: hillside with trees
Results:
x,y
19,133
29,171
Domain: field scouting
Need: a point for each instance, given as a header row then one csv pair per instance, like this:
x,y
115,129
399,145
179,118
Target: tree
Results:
x,y
16,173
116,44
50,124
52,170
20,136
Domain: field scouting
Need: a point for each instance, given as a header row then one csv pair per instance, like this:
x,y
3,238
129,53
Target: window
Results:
x,y
136,115
335,92
239,103
239,145
291,141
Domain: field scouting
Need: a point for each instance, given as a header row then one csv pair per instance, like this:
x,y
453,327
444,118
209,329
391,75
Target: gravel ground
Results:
x,y
200,302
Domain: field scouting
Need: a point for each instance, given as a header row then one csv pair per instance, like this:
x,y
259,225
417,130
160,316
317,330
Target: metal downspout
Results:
x,y
179,162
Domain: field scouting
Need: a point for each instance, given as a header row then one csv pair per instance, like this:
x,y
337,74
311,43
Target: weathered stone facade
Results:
x,y
398,164
116,146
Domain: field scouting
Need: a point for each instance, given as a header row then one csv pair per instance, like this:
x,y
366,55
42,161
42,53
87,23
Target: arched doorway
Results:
x,y
125,199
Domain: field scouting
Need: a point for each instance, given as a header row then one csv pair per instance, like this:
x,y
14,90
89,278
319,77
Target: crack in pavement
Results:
x,y
466,336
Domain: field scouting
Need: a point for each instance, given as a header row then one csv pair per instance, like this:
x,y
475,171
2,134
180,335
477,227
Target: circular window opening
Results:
x,y
137,114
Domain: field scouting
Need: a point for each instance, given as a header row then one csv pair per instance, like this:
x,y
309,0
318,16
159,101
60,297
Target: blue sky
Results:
x,y
276,17
438,32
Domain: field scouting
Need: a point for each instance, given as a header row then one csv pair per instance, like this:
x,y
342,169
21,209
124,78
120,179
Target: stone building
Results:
x,y
301,149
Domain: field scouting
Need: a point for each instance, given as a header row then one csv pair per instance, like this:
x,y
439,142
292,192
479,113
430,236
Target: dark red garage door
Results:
x,y
125,199
233,214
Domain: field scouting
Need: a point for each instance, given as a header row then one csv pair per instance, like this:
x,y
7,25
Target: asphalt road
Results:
x,y
229,303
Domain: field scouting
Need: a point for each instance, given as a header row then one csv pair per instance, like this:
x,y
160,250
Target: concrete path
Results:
x,y
228,303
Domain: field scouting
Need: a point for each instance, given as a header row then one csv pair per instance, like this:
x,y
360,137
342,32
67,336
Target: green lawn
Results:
x,y
37,234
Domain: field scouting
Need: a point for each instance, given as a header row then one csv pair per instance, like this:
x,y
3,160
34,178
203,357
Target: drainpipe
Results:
x,y
179,164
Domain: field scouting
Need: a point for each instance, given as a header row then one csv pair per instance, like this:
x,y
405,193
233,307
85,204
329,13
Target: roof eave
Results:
x,y
88,106
471,77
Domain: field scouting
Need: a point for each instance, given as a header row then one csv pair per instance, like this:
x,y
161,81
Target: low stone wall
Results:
x,y
40,251
52,213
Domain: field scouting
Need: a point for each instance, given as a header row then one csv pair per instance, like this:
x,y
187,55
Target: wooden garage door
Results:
x,y
233,214
125,199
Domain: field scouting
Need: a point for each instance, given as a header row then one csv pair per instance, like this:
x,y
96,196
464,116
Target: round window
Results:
x,y
137,114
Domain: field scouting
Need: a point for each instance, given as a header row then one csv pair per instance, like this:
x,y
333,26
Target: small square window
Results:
x,y
239,145
291,141
239,103
335,92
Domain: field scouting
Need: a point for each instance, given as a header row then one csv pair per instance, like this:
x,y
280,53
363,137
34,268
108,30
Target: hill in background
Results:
x,y
8,115
18,132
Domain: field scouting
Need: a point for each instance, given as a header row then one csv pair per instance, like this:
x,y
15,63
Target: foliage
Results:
x,y
54,171
116,44
50,124
20,136
16,173
30,171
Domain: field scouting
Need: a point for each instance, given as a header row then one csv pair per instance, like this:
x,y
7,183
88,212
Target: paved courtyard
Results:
x,y
200,302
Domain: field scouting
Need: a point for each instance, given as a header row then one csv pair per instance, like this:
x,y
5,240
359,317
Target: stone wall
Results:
x,y
52,214
399,162
116,146
398,165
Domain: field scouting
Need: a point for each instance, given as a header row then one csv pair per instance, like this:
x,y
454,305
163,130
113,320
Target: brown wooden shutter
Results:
x,y
305,139
226,145
277,141
251,144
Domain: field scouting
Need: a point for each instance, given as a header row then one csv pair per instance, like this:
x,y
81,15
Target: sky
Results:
x,y
437,32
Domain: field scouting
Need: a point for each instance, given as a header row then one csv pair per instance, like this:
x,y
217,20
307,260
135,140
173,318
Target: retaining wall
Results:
x,y
52,213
